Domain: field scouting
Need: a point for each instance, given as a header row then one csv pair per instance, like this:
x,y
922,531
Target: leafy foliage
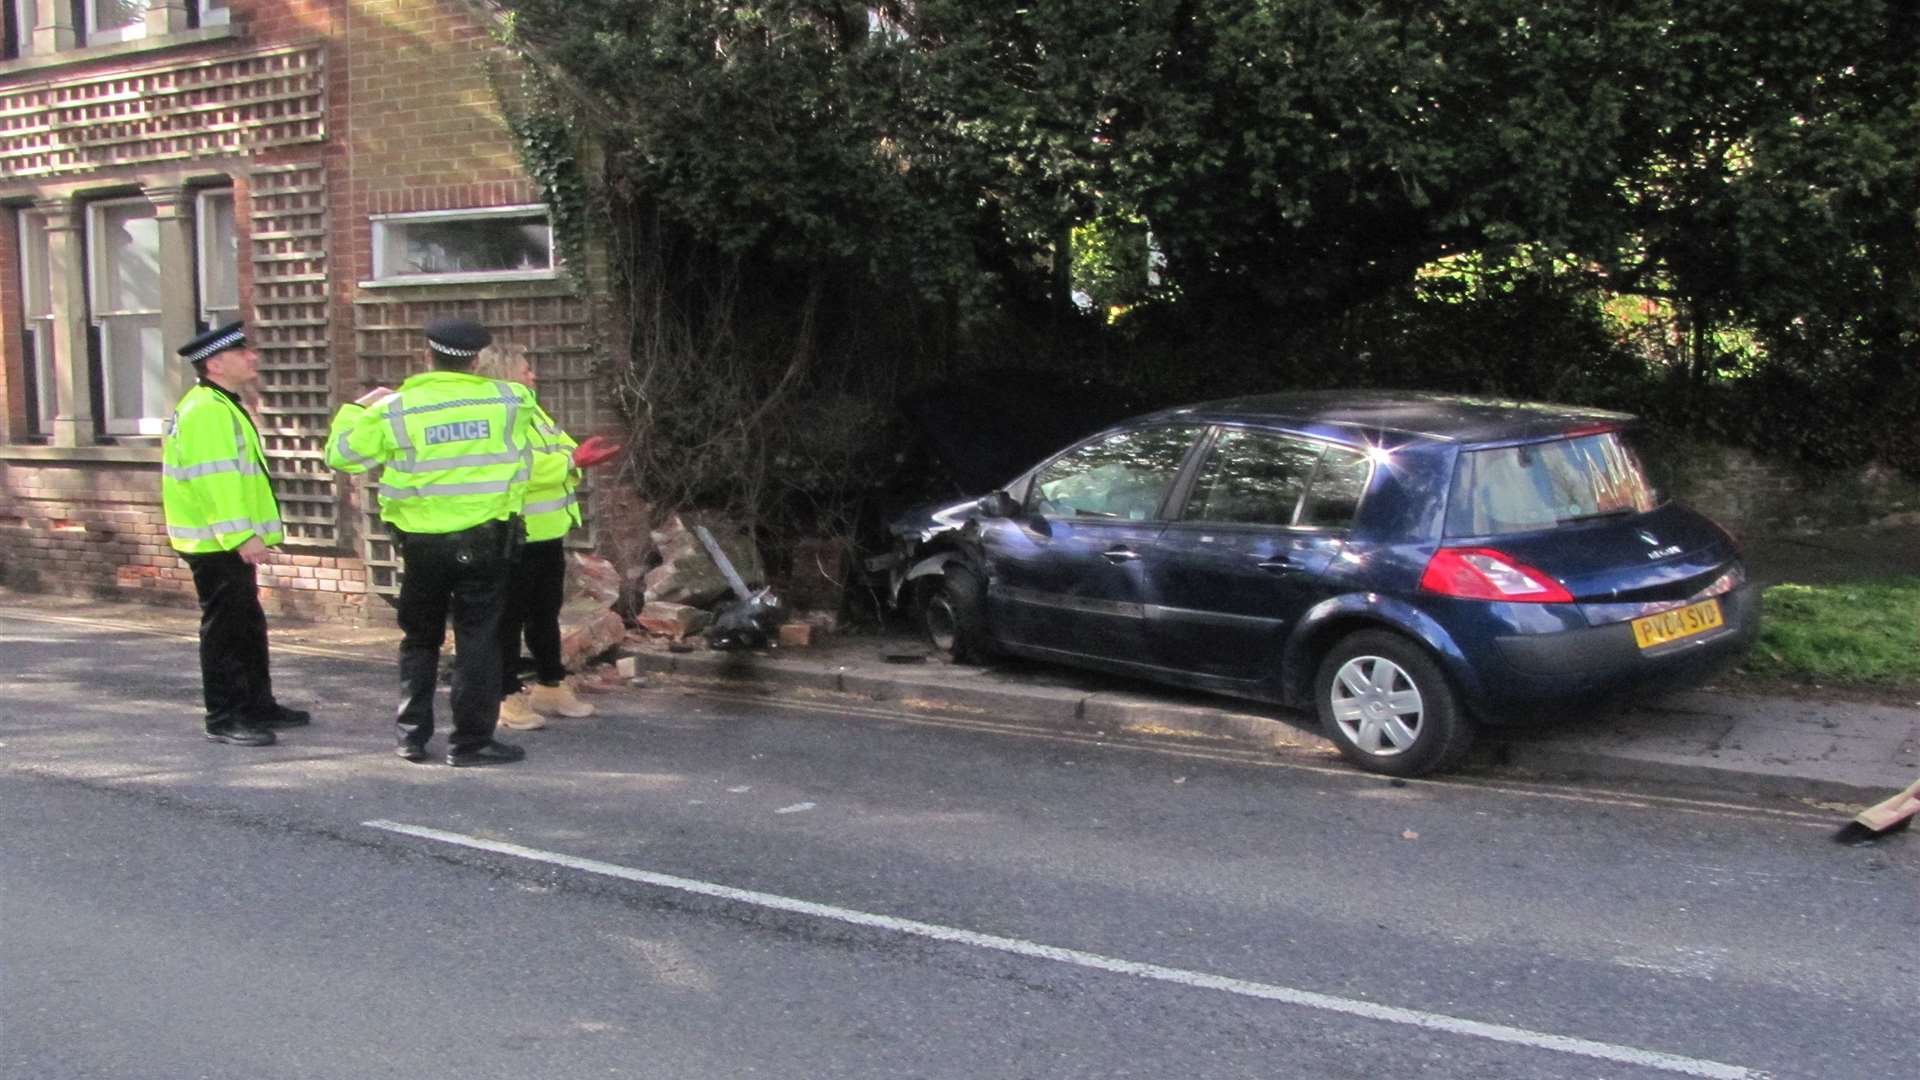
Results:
x,y
1705,210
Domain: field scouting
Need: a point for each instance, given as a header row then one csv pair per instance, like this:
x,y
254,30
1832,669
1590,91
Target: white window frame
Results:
x,y
133,31
215,16
382,275
39,326
202,257
155,382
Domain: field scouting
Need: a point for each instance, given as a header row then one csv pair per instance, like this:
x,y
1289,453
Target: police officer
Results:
x,y
222,517
454,451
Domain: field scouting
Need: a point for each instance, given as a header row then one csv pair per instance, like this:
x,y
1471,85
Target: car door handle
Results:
x,y
1119,555
1279,566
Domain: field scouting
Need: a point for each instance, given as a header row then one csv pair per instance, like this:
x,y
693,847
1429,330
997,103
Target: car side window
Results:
x,y
1251,478
1124,476
1334,497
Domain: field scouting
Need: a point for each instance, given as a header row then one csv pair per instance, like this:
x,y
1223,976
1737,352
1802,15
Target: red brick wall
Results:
x,y
96,529
411,125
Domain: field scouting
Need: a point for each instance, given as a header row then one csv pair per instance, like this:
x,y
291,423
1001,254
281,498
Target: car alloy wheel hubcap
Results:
x,y
1377,705
941,625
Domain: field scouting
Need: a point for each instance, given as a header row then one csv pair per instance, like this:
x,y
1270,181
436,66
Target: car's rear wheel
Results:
x,y
1388,707
952,617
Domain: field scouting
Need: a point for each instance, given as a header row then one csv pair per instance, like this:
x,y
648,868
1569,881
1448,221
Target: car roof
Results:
x,y
1454,418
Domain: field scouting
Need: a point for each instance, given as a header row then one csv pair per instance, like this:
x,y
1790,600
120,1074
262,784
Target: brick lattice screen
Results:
x,y
289,327
555,328
236,104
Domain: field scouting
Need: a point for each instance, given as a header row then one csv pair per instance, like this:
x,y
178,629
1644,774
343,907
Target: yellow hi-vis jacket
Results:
x,y
552,509
213,476
455,450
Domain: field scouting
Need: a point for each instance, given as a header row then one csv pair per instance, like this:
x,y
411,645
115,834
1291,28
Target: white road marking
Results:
x,y
1452,1025
795,808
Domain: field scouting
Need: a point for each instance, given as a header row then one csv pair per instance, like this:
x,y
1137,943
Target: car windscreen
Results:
x,y
1510,489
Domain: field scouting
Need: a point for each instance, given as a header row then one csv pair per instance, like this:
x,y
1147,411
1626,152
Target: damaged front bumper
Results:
x,y
925,539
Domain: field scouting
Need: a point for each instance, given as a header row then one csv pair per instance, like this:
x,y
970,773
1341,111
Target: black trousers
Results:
x,y
233,640
535,590
464,575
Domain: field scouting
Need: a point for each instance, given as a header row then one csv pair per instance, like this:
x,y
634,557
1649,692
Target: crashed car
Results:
x,y
1412,565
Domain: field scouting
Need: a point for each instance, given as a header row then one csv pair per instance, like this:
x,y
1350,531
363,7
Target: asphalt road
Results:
x,y
699,886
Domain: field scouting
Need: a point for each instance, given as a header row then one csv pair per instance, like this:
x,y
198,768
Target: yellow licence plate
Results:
x,y
1676,624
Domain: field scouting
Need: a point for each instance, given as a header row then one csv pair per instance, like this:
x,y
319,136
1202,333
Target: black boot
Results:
x,y
239,734
279,716
487,753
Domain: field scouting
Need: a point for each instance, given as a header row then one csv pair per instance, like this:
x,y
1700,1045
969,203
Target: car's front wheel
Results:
x,y
953,618
1388,707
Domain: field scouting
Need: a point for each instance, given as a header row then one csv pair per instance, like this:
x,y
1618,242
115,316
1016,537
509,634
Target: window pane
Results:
x,y
128,278
122,15
484,245
116,20
37,291
1540,485
1252,479
1122,477
136,370
36,301
1337,488
214,13
218,257
125,271
24,12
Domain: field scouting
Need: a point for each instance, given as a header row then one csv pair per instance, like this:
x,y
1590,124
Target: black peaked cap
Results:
x,y
231,336
457,337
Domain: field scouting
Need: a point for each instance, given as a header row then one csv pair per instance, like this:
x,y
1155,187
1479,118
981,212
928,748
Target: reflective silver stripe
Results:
x,y
347,453
491,487
551,431
189,472
460,404
397,420
512,401
212,532
468,461
551,504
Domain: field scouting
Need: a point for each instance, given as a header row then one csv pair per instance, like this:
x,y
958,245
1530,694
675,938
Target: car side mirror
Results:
x,y
998,505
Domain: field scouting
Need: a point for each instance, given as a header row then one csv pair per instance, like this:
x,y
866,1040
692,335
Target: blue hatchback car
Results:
x,y
1412,565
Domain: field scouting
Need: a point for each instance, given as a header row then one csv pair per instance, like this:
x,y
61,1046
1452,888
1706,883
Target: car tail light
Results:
x,y
1487,574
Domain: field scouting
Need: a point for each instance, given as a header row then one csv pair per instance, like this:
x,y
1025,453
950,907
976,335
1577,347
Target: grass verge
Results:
x,y
1863,633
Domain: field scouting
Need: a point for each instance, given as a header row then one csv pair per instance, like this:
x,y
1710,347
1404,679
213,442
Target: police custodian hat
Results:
x,y
457,337
231,336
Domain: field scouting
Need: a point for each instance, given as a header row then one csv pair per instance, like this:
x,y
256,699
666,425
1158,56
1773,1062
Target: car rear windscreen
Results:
x,y
1510,489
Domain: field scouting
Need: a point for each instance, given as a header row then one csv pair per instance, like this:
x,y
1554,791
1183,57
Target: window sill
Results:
x,y
112,50
75,455
462,279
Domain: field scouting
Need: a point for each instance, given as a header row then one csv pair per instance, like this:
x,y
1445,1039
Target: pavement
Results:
x,y
1737,744
1711,740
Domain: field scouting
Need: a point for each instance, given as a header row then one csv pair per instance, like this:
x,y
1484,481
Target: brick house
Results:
x,y
334,171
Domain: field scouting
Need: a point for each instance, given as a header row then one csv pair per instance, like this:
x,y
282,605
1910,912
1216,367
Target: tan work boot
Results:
x,y
517,712
559,699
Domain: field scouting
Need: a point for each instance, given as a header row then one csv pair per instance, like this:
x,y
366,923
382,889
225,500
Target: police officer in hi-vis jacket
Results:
x,y
454,452
221,518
